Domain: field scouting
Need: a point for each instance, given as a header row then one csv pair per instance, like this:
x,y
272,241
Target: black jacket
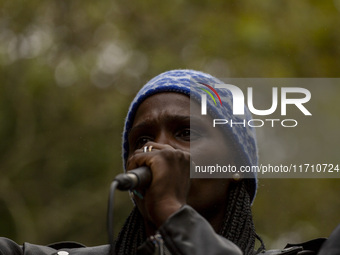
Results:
x,y
179,233
185,232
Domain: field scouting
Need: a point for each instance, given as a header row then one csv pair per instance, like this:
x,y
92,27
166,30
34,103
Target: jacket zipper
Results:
x,y
157,240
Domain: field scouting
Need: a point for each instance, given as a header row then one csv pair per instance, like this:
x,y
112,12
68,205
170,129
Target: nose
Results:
x,y
165,137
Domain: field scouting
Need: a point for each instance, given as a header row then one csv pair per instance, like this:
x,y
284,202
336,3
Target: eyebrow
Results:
x,y
171,118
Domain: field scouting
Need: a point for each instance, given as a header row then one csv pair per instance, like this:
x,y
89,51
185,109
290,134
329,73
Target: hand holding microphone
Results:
x,y
164,188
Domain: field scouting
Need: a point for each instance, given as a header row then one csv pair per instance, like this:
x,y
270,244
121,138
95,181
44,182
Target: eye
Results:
x,y
141,141
188,134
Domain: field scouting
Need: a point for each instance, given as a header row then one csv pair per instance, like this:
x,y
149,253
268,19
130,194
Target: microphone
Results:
x,y
140,177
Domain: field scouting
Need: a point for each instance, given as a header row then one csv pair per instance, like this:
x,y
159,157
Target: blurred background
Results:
x,y
69,70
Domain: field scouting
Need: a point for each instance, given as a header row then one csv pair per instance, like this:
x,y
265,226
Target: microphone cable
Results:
x,y
113,188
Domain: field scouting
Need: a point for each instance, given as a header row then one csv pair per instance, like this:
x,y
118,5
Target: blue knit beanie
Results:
x,y
187,82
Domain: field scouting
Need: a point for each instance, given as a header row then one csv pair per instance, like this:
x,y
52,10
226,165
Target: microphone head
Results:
x,y
140,177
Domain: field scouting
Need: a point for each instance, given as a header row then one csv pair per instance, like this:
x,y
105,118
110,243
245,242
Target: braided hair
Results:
x,y
237,226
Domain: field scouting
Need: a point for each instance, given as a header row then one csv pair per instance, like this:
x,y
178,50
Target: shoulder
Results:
x,y
8,246
312,247
320,246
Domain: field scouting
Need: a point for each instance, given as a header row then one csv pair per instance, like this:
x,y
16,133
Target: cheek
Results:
x,y
212,153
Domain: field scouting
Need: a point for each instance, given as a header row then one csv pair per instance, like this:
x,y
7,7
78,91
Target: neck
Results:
x,y
150,228
215,217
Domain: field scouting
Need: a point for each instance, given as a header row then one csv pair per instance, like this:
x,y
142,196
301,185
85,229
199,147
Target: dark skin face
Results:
x,y
163,121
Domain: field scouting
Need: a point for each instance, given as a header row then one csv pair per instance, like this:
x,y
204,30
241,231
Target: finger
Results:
x,y
141,158
152,146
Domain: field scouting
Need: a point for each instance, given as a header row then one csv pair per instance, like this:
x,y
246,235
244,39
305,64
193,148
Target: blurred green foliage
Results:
x,y
70,68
